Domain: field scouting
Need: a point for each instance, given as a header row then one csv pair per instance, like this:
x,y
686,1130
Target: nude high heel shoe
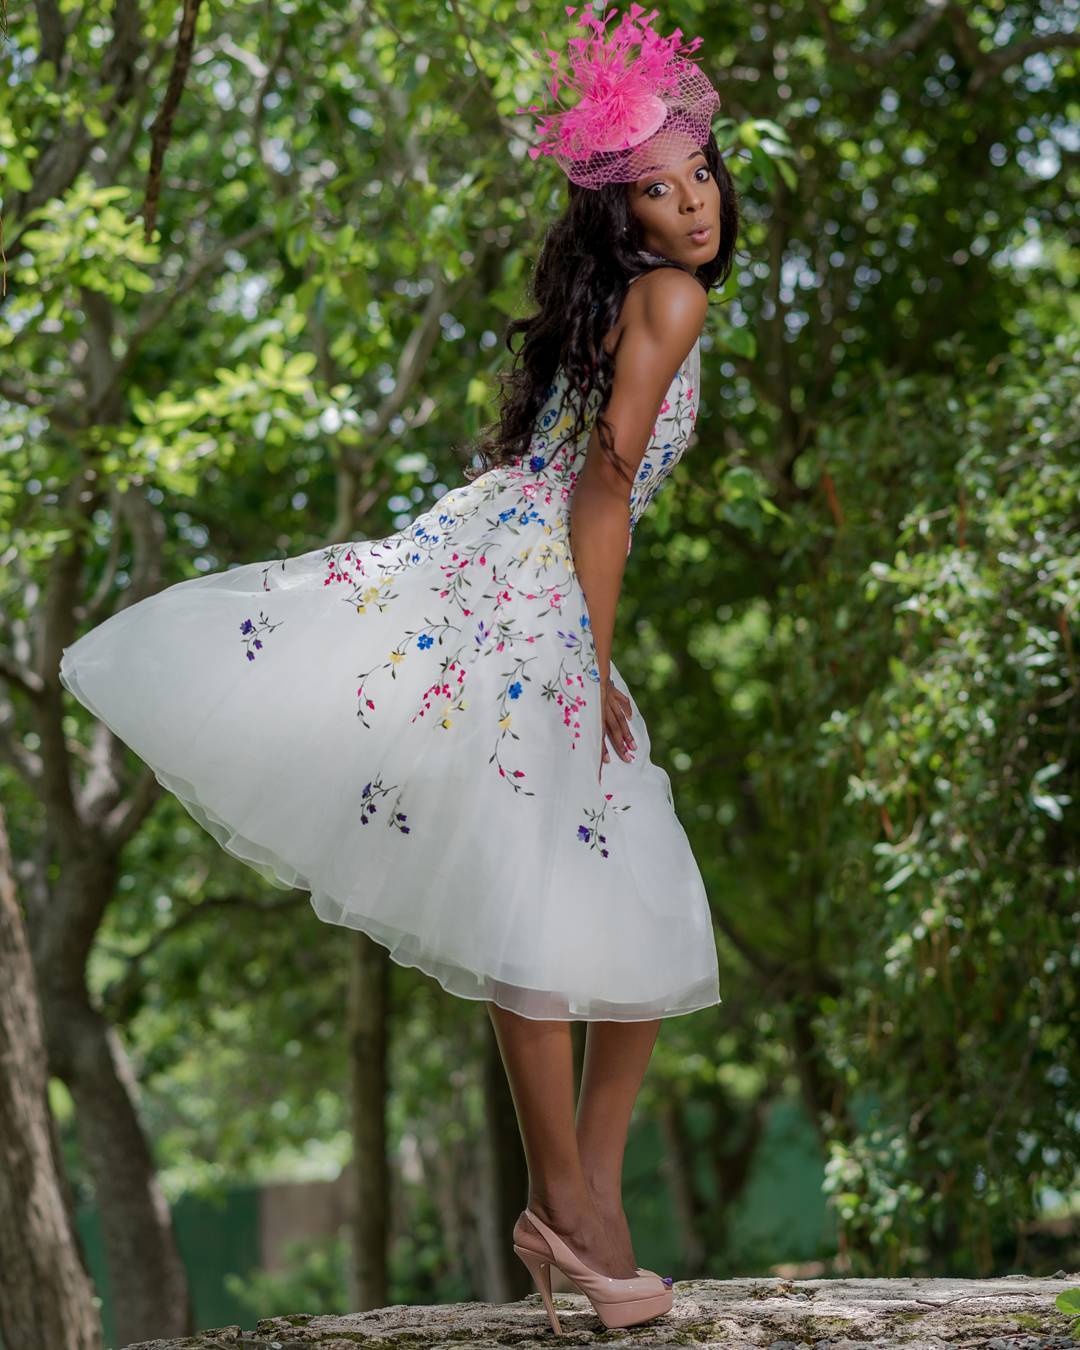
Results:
x,y
617,1303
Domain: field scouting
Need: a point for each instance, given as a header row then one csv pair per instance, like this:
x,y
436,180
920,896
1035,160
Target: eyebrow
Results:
x,y
654,167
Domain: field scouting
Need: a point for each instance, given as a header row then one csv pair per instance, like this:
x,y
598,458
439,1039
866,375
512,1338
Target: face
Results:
x,y
670,202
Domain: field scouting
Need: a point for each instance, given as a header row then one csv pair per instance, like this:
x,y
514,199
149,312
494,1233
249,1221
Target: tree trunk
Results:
x,y
508,1179
678,1168
147,1277
46,1294
369,977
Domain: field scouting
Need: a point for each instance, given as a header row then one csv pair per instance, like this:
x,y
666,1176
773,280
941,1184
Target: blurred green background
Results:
x,y
850,621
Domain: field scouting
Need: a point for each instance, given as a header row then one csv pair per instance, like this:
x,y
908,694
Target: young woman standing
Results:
x,y
428,731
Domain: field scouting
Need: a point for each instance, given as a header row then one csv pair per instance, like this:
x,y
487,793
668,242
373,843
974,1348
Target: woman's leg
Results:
x,y
616,1057
538,1058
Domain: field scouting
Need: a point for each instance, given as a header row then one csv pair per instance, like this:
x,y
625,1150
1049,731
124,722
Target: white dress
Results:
x,y
409,728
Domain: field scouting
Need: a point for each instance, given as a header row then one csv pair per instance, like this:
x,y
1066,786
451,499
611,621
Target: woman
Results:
x,y
413,728
663,201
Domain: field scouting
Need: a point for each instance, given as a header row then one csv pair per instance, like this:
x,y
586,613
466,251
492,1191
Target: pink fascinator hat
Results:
x,y
641,103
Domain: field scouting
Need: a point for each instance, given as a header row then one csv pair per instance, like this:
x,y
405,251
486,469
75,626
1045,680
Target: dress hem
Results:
x,y
455,979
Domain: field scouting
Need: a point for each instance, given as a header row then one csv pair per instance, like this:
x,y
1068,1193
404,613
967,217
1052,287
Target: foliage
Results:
x,y
850,622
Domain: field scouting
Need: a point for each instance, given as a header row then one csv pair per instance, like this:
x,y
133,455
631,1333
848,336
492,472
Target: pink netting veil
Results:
x,y
641,104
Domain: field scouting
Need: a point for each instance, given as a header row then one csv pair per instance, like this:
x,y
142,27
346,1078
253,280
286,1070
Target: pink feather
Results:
x,y
620,79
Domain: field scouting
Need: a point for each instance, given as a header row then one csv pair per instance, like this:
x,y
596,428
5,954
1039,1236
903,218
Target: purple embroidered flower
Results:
x,y
396,818
515,597
592,836
247,629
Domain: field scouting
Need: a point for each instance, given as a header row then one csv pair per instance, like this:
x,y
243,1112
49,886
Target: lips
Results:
x,y
700,235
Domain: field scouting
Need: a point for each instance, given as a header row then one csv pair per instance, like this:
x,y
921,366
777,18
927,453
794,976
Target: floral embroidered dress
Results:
x,y
409,728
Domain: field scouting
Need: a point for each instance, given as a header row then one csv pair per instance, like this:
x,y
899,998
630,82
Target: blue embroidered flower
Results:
x,y
509,600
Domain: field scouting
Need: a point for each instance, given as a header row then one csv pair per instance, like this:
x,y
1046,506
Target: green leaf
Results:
x,y
1068,1301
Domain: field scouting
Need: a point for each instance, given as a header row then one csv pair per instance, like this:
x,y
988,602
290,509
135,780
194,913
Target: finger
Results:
x,y
611,734
628,709
622,724
625,706
618,732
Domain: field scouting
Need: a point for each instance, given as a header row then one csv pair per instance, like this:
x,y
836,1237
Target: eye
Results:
x,y
705,170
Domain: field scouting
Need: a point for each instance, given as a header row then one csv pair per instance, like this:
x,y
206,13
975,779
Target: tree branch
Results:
x,y
29,681
986,64
25,762
123,821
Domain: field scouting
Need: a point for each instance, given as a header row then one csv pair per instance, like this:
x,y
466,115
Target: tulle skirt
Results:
x,y
409,729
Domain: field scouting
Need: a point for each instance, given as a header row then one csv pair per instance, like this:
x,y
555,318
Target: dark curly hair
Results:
x,y
588,259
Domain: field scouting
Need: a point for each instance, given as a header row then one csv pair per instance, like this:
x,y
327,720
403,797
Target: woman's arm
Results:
x,y
662,318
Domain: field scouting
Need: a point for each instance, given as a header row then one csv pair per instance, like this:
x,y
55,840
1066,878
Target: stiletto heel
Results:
x,y
617,1303
540,1270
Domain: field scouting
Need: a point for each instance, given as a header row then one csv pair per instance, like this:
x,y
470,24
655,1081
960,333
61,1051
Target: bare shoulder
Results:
x,y
666,298
666,308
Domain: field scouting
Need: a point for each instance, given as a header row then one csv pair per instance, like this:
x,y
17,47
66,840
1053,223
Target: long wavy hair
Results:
x,y
587,261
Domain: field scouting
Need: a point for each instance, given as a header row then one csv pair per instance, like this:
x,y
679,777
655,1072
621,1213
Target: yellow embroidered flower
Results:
x,y
504,722
524,553
547,529
360,608
446,722
397,656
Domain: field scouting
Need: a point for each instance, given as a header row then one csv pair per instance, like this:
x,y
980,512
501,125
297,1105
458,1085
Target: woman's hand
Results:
x,y
615,711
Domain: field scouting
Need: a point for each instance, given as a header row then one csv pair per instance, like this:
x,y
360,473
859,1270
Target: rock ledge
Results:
x,y
1015,1312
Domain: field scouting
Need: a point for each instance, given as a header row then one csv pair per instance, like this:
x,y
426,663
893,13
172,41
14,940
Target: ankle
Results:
x,y
560,1203
605,1192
